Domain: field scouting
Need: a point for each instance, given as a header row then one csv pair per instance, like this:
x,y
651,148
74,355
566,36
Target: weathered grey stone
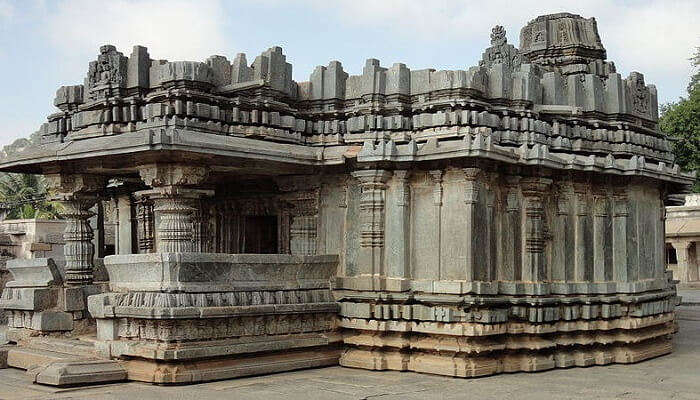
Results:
x,y
210,272
30,299
50,321
36,272
79,373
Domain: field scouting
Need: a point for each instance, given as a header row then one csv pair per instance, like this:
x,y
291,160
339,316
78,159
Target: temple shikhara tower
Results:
x,y
505,217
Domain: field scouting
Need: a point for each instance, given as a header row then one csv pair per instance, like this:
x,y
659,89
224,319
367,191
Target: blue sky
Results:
x,y
46,44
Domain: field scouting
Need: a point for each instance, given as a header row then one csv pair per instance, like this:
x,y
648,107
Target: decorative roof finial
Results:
x,y
498,36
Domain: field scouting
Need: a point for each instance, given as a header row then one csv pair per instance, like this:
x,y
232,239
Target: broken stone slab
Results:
x,y
67,373
34,272
229,367
29,299
47,321
4,349
28,358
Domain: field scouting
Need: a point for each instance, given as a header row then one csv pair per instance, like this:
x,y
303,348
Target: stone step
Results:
x,y
87,372
68,346
28,358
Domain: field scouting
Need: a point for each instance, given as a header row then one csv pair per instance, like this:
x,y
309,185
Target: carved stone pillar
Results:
x,y
621,270
123,240
398,226
77,193
372,198
284,231
534,261
660,238
683,256
200,227
174,202
145,222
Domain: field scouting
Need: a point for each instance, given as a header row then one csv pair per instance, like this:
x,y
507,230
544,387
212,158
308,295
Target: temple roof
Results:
x,y
556,99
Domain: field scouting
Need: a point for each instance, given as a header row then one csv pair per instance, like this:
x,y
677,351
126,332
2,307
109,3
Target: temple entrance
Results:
x,y
260,234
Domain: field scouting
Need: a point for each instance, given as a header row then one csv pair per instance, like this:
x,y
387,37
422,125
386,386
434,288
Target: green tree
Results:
x,y
681,121
23,196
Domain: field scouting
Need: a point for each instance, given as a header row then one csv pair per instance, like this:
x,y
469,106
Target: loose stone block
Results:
x,y
79,373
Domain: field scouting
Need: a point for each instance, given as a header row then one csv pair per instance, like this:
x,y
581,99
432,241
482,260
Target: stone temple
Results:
x,y
506,217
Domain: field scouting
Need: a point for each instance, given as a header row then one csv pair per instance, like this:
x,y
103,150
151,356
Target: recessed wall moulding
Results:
x,y
504,217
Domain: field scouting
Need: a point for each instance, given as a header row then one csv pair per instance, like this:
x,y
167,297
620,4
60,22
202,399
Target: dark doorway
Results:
x,y
260,235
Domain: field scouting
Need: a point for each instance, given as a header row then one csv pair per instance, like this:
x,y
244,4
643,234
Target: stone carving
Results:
x,y
175,231
639,92
69,184
218,329
146,225
403,187
500,51
107,73
201,235
157,175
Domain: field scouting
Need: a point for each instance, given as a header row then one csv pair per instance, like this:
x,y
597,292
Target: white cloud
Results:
x,y
172,29
7,10
654,37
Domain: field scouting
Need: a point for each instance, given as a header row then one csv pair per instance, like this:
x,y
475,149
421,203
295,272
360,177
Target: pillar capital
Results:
x,y
66,186
404,189
164,175
535,186
436,178
681,244
372,176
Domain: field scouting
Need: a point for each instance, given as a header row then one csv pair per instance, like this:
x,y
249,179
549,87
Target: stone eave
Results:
x,y
481,146
167,145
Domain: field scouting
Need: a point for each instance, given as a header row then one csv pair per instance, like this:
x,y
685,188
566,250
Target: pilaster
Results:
x,y
583,260
471,198
372,199
435,178
398,226
621,270
601,217
534,260
511,238
562,231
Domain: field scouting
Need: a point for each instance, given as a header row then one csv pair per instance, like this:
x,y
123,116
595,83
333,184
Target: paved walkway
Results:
x,y
690,296
675,376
